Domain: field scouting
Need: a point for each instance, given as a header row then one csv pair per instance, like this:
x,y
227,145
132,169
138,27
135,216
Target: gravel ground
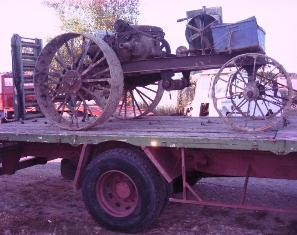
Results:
x,y
38,201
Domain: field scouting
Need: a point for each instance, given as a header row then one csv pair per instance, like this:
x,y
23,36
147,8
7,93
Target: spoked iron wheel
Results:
x,y
138,101
78,81
252,92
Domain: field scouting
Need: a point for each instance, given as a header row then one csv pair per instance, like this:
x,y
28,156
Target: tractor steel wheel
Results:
x,y
78,81
123,191
252,92
139,101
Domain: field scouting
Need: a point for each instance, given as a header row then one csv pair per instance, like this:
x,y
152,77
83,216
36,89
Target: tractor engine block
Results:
x,y
135,42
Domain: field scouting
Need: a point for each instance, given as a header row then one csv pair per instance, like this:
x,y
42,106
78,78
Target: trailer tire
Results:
x,y
167,187
192,179
123,191
68,169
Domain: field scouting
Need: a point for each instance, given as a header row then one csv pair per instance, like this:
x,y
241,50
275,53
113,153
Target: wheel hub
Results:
x,y
123,190
117,193
251,91
72,81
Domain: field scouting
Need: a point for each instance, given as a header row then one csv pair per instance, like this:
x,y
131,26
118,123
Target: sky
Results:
x,y
31,18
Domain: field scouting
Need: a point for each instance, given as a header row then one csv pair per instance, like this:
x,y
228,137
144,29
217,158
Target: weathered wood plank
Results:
x,y
171,131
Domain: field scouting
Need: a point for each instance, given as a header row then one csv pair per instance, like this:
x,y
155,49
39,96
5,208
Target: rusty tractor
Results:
x,y
81,80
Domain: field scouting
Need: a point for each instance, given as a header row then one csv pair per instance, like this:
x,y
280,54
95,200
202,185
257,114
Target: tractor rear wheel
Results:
x,y
78,81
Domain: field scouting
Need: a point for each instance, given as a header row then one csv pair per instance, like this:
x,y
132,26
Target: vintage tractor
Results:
x,y
81,80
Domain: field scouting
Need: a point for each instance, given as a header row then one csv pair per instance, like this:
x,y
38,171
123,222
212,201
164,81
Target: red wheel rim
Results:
x,y
117,193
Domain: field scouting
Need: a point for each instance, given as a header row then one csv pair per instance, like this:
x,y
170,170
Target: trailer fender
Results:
x,y
88,151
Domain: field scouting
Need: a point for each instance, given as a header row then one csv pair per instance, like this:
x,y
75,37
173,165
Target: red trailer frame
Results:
x,y
209,149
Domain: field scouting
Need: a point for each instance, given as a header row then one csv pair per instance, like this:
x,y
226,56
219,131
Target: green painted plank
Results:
x,y
157,131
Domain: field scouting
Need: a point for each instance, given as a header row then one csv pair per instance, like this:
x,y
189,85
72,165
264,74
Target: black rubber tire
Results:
x,y
165,184
150,185
192,179
68,169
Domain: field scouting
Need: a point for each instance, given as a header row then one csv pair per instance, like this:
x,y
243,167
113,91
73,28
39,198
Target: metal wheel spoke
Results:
x,y
254,112
100,87
265,105
122,104
71,53
86,106
149,89
55,74
100,72
233,95
96,55
238,70
270,72
242,79
144,94
254,68
56,96
125,109
60,60
272,102
275,81
58,90
85,48
89,92
133,105
91,66
243,102
137,105
237,86
269,79
248,110
277,100
78,106
259,108
221,79
95,80
63,103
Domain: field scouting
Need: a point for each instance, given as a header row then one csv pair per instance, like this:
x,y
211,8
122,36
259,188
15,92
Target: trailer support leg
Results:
x,y
246,181
186,186
197,199
83,160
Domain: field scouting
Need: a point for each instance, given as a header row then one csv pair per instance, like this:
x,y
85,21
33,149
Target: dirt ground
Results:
x,y
38,201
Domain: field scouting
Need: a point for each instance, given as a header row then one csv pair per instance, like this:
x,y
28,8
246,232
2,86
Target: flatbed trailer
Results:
x,y
129,169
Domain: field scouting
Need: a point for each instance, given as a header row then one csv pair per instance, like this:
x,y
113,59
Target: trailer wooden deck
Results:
x,y
166,131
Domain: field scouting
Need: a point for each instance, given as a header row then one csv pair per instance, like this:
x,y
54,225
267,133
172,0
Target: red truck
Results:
x,y
6,96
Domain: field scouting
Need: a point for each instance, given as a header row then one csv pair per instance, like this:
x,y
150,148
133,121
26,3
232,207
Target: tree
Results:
x,y
91,15
185,97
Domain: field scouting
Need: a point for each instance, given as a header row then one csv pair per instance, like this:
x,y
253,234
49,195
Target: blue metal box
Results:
x,y
245,35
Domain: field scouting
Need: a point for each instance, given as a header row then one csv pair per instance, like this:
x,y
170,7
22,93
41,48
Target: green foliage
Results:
x,y
91,15
166,110
185,97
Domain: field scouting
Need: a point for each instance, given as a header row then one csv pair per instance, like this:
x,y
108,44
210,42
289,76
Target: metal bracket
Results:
x,y
82,163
